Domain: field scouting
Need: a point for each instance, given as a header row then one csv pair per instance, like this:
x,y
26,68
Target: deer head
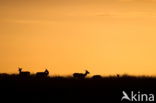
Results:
x,y
46,71
87,72
20,69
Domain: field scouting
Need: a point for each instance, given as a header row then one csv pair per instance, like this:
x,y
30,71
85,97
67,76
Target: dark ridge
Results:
x,y
57,89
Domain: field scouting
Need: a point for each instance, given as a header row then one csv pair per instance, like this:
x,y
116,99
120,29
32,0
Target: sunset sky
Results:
x,y
105,37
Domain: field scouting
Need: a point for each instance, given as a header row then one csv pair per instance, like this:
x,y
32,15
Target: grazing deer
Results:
x,y
80,75
43,74
97,77
23,73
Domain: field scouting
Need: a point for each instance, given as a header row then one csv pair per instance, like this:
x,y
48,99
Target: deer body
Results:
x,y
43,74
97,77
23,73
80,75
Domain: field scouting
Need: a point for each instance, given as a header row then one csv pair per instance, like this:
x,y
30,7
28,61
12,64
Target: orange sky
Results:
x,y
104,36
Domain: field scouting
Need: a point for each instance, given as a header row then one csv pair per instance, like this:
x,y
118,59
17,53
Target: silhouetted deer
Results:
x,y
97,77
23,73
118,75
42,74
80,75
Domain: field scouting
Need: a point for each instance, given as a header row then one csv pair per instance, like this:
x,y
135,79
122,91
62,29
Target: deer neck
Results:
x,y
85,74
46,72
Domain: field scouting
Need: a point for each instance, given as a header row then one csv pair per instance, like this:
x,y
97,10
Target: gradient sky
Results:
x,y
104,36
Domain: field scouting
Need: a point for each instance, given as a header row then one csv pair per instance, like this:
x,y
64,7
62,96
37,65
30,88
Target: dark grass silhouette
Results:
x,y
33,89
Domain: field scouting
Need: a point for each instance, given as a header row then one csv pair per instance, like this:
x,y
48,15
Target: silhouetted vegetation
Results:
x,y
66,89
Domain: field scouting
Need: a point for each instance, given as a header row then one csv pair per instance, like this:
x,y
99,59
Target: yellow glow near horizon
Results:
x,y
104,36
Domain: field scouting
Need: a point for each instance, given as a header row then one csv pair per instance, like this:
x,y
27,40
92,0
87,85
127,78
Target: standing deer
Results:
x,y
43,74
23,73
80,75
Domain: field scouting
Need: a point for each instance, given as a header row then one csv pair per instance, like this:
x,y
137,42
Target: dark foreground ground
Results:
x,y
15,89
